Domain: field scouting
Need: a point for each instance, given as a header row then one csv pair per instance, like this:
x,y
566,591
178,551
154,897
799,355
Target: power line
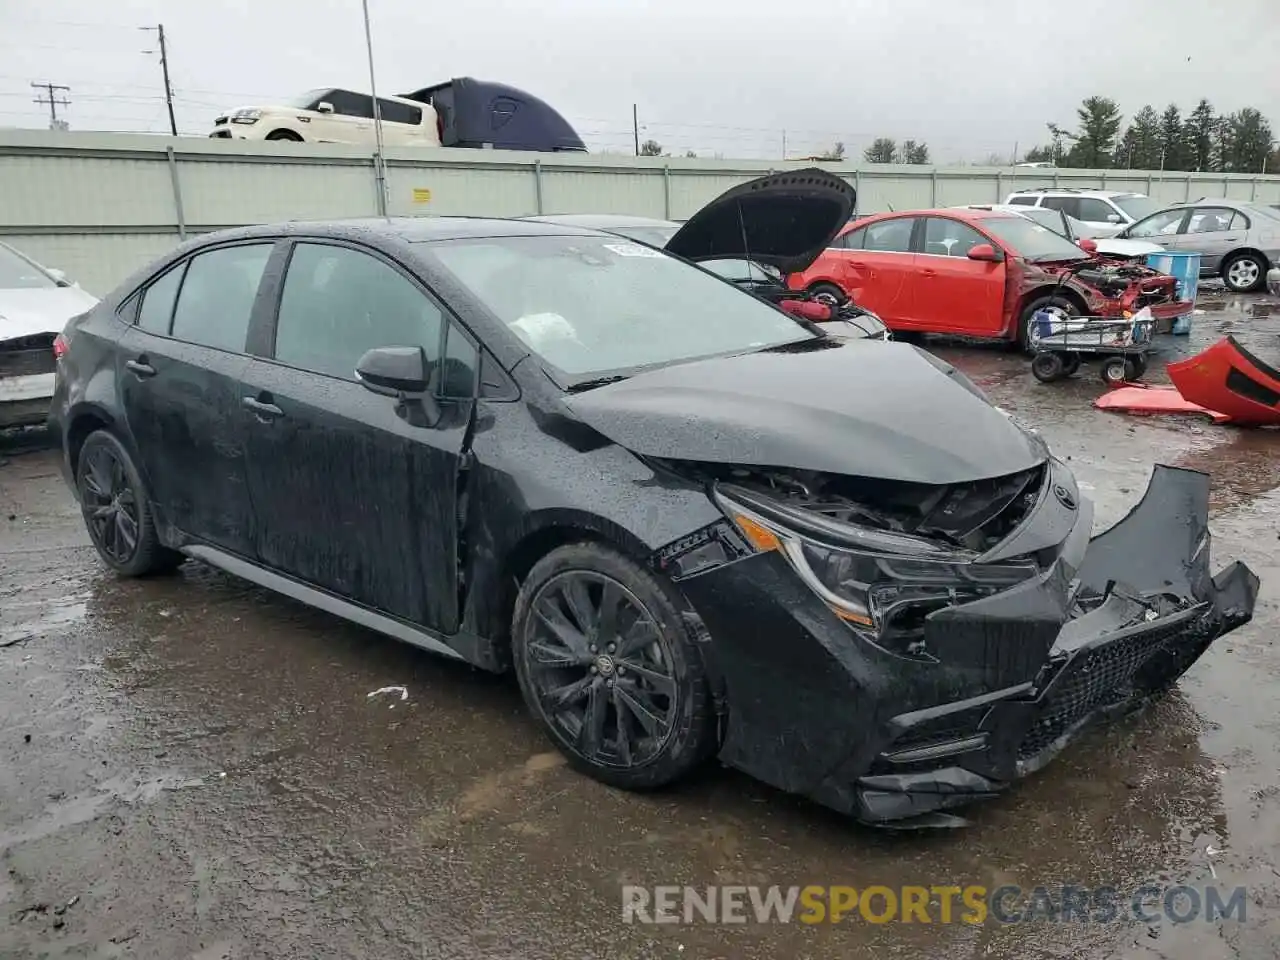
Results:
x,y
54,101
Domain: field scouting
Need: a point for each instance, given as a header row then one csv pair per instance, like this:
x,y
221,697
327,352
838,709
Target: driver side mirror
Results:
x,y
985,252
59,277
1114,218
1087,245
324,106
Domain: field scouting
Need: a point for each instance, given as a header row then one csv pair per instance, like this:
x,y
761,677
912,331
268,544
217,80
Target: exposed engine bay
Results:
x,y
974,516
1131,285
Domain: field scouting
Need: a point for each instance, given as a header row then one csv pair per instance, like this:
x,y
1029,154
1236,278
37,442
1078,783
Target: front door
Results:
x,y
355,492
956,294
179,368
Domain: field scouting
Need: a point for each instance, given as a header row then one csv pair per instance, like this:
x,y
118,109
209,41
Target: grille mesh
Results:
x,y
1112,673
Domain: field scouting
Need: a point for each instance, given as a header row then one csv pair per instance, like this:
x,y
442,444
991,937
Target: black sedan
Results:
x,y
692,525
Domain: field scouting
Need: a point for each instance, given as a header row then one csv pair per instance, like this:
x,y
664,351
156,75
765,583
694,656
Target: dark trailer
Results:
x,y
478,113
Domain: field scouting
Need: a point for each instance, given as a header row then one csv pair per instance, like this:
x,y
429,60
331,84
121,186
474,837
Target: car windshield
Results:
x,y
591,306
1031,241
305,101
19,273
1137,207
654,236
1045,217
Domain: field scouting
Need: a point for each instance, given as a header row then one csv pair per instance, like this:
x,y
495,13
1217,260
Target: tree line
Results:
x,y
1203,140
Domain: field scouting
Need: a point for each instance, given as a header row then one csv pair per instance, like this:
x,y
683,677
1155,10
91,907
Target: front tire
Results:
x,y
116,510
283,135
607,663
1244,272
1059,306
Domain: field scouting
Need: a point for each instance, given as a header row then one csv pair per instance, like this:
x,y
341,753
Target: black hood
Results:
x,y
784,220
861,408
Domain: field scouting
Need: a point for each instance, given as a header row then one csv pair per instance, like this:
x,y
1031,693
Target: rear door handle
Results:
x,y
140,369
263,411
928,273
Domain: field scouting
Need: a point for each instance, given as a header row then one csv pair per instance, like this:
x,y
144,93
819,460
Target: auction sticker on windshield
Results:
x,y
631,250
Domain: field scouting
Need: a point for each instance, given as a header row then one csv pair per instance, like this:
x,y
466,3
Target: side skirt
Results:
x,y
416,636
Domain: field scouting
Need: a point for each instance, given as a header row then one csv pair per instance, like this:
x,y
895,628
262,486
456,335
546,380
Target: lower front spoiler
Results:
x,y
1146,609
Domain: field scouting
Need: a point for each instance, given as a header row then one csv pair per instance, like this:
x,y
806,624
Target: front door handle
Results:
x,y
140,368
928,273
262,410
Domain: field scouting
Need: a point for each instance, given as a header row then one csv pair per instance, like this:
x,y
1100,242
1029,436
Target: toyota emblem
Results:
x,y
1064,497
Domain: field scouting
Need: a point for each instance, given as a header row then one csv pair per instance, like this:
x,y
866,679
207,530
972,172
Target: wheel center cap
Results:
x,y
605,666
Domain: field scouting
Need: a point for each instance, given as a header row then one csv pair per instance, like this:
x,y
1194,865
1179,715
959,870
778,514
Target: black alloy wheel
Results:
x,y
116,510
110,505
605,662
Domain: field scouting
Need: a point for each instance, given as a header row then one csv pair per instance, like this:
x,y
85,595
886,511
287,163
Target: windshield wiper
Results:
x,y
597,382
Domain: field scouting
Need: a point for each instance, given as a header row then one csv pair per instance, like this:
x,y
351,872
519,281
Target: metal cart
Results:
x,y
1060,343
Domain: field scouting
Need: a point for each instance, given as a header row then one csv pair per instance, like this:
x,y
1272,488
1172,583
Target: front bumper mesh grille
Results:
x,y
1112,673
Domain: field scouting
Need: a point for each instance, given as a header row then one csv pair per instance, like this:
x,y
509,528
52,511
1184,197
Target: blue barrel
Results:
x,y
1185,267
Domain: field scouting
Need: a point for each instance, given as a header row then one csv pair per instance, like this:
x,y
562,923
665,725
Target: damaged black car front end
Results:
x,y
897,650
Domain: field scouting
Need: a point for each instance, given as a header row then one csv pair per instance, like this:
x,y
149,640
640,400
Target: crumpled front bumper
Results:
x,y
1113,622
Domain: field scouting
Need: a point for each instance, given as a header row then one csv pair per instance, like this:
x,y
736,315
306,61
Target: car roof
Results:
x,y
955,213
409,229
1073,192
601,221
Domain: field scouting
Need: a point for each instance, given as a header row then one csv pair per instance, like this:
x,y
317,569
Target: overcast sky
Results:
x,y
717,76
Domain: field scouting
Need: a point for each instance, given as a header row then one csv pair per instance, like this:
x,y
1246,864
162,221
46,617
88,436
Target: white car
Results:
x,y
1104,212
1075,231
333,115
35,304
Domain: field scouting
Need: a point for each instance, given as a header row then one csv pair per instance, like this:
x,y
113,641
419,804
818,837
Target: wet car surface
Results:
x,y
208,770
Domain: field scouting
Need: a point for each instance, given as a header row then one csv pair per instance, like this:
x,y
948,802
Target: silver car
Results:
x,y
1237,240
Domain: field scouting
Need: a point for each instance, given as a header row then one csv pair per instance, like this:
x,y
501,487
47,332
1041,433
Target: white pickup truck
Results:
x,y
462,112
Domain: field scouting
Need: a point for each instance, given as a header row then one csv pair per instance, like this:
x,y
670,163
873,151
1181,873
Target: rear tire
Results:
x,y
1070,364
117,511
608,665
828,293
1244,272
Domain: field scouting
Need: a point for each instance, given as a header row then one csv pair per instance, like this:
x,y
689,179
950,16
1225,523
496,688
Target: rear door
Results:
x,y
1212,232
874,266
354,492
956,294
180,362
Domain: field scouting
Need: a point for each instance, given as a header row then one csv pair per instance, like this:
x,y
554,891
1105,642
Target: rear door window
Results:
x,y
1215,220
217,294
890,236
1091,208
1068,205
395,112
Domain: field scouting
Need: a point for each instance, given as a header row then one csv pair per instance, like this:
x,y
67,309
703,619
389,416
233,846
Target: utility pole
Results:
x,y
164,67
52,99
635,126
379,159
784,144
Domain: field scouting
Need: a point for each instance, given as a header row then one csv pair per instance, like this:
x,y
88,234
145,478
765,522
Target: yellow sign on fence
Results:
x,y
421,195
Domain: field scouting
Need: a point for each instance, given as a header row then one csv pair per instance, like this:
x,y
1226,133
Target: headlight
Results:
x,y
246,116
884,585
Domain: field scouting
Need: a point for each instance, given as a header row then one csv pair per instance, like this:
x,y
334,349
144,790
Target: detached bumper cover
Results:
x,y
1019,674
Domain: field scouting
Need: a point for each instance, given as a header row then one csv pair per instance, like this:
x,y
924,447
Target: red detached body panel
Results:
x,y
1228,379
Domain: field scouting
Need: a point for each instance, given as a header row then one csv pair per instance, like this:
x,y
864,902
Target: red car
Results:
x,y
980,273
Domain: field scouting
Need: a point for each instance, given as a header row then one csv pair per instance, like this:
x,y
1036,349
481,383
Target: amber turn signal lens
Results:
x,y
761,537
